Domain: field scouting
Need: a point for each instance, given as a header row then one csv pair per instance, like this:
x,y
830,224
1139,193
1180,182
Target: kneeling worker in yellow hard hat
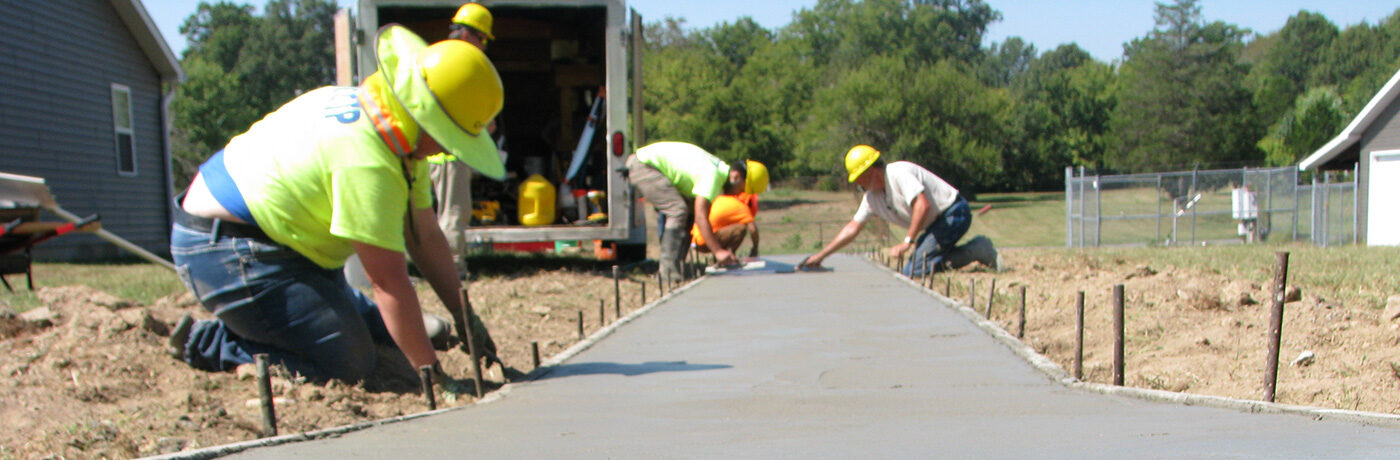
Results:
x,y
263,231
905,194
732,217
681,181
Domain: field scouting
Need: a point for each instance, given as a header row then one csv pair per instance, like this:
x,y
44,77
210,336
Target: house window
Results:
x,y
125,130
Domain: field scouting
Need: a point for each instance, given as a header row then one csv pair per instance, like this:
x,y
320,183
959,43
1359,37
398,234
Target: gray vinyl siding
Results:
x,y
57,67
1383,134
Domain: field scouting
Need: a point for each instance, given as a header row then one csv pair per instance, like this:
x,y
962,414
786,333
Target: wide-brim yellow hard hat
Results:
x,y
449,88
859,159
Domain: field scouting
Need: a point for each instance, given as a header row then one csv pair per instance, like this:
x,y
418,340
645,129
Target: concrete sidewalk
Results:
x,y
852,363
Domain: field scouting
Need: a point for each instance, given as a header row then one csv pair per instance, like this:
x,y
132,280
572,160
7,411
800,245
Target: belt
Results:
x,y
219,226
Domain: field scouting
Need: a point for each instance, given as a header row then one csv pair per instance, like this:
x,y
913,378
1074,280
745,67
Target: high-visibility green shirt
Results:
x,y
317,178
691,169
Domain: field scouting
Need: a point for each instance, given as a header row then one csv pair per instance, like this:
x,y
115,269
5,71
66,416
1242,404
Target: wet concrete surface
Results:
x,y
848,363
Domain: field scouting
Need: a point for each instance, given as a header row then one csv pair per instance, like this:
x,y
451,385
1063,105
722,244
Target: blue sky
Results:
x,y
1101,27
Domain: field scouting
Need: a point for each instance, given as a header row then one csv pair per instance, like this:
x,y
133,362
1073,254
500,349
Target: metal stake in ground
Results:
x,y
1118,335
535,354
643,291
1079,336
1021,321
580,324
1275,326
972,294
602,320
425,376
617,293
991,297
467,315
269,413
948,287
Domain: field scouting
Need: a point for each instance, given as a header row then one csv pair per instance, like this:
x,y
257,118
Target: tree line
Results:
x,y
910,77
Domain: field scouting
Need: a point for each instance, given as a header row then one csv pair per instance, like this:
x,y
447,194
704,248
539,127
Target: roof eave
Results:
x,y
1358,125
148,37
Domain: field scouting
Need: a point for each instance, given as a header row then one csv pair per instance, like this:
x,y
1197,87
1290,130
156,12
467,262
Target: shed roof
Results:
x,y
1346,141
148,37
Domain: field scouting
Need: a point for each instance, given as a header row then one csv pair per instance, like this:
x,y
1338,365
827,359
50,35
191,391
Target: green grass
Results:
x,y
138,282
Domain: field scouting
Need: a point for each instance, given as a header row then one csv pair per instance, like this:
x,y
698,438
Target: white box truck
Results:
x,y
555,58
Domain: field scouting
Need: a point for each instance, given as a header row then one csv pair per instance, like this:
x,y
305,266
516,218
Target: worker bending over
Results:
x,y
935,215
266,225
681,181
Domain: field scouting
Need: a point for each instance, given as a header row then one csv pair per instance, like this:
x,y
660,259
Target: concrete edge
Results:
x,y
1052,370
500,393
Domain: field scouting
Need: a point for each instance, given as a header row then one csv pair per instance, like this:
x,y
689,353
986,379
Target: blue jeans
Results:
x,y
940,236
270,299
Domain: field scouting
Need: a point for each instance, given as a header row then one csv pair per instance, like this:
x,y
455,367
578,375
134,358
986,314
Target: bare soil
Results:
x,y
95,381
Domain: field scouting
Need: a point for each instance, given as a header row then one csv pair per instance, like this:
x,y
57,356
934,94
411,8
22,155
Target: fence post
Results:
x,y
1355,204
1194,173
1158,227
1081,206
1069,206
1098,210
1295,203
1275,326
1118,335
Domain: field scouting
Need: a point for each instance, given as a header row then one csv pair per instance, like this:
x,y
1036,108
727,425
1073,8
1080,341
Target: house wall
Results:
x,y
56,75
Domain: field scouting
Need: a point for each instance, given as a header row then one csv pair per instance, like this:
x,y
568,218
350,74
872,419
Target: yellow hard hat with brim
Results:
x,y
859,159
475,16
450,89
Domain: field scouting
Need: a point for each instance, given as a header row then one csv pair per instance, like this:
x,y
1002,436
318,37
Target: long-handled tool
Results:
x,y
586,138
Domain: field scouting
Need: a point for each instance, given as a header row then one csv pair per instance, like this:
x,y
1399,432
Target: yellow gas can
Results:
x,y
536,201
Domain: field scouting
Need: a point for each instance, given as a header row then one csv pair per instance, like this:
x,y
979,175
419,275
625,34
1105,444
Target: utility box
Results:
x,y
558,60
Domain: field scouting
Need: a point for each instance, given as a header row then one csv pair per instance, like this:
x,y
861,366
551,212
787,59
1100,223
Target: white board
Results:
x,y
1382,222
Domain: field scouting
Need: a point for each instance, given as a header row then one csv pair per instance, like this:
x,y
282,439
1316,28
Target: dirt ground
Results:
x,y
1194,332
93,380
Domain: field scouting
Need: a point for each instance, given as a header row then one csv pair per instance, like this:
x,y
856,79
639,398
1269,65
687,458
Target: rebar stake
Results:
x,y
1276,326
535,354
425,376
467,315
269,412
580,324
991,297
1118,335
1021,321
602,314
1079,336
617,292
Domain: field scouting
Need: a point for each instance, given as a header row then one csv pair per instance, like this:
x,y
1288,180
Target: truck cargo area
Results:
x,y
552,62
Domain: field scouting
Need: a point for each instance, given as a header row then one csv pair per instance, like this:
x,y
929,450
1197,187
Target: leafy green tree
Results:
x,y
1314,120
1181,98
1064,102
1284,71
240,66
1007,60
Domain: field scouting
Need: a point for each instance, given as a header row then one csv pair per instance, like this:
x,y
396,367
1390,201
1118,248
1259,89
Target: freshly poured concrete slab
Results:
x,y
851,363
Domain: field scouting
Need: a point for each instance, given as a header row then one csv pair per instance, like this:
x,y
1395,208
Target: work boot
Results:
x,y
674,243
439,331
983,251
180,336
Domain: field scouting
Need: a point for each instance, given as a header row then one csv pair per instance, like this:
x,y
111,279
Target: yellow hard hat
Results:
x,y
475,16
858,159
756,180
450,89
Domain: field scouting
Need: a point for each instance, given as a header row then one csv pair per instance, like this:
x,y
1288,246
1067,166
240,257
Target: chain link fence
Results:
x,y
1209,207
